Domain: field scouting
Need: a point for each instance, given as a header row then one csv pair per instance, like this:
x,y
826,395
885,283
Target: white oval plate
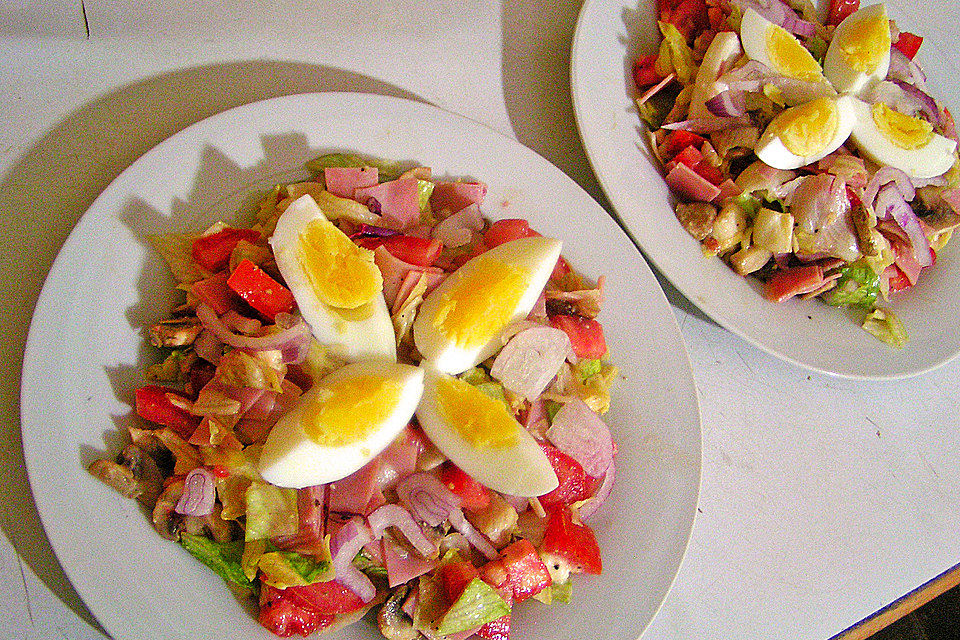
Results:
x,y
85,355
609,35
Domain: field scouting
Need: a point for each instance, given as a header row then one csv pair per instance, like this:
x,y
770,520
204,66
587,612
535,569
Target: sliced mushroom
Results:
x,y
393,622
134,474
177,332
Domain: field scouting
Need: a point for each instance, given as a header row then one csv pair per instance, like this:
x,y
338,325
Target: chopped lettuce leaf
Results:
x,y
424,191
271,511
169,370
556,593
675,54
551,407
282,569
336,208
858,286
267,212
260,370
252,551
177,251
587,368
222,557
887,327
478,604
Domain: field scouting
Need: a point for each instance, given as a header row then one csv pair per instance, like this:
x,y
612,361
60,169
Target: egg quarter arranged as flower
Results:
x,y
818,162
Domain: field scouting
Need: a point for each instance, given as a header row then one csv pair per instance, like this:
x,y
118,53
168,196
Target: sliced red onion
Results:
x,y
922,100
199,493
727,104
474,537
208,346
780,14
458,229
393,515
241,324
531,360
885,176
374,231
890,203
427,499
346,544
580,433
293,339
590,506
708,125
905,69
655,89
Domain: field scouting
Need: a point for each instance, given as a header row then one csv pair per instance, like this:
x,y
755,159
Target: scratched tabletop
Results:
x,y
822,500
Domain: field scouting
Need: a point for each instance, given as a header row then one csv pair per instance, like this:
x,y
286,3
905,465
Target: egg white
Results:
x,y
520,469
928,161
291,458
771,149
838,71
537,256
754,30
349,339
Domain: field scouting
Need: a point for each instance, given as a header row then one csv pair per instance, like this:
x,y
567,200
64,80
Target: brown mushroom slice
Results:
x,y
177,332
170,524
117,476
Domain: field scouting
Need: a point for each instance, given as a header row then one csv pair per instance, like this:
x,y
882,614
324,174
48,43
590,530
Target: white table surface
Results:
x,y
822,501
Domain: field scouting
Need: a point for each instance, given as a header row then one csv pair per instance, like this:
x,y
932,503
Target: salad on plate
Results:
x,y
375,397
806,153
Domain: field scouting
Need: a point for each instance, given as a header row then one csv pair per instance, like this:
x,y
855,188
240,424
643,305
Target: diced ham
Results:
x,y
454,196
358,491
788,283
402,565
344,181
397,201
690,185
395,270
728,189
531,359
434,276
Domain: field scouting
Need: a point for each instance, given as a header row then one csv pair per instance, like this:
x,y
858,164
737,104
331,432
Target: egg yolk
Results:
x,y
901,130
807,128
350,410
868,44
791,58
341,274
482,421
481,302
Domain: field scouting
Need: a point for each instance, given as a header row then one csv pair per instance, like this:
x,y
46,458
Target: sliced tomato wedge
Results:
x,y
586,335
840,9
154,404
527,574
472,494
455,576
645,71
506,230
573,542
283,617
330,597
422,252
212,252
259,290
574,485
908,43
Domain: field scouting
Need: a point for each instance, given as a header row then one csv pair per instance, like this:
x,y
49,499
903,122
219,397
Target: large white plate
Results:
x,y
84,357
609,35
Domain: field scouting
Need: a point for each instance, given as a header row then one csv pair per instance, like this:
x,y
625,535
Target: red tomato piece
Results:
x,y
153,404
421,252
212,252
329,598
897,279
689,17
585,335
840,9
573,479
645,71
506,230
527,574
280,615
795,281
259,290
561,269
908,43
709,172
676,141
472,494
455,576
495,574
573,542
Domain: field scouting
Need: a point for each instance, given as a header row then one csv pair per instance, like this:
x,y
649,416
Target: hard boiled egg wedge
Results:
x,y
859,51
337,286
481,436
891,138
777,48
461,322
806,133
341,423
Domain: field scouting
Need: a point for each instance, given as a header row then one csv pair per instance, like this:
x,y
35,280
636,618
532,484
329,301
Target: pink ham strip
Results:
x,y
398,199
344,181
454,196
686,182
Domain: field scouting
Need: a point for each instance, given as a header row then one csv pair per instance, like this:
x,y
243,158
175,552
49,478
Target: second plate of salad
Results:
x,y
279,319
793,173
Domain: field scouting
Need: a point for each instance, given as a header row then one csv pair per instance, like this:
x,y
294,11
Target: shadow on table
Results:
x,y
49,187
537,37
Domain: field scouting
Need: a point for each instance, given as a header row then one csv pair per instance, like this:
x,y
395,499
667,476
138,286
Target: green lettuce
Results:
x,y
271,511
858,286
886,327
387,170
222,557
478,604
